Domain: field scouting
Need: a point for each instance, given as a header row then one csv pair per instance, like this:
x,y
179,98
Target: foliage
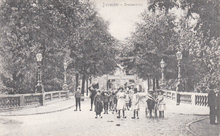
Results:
x,y
208,11
154,39
54,28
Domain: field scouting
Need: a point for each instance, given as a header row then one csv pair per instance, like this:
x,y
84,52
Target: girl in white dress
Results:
x,y
136,98
161,104
121,103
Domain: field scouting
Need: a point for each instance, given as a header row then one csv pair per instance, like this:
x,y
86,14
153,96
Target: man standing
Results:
x,y
212,105
150,102
78,99
92,95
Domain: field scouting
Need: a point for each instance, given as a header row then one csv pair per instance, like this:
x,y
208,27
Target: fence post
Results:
x,y
68,94
42,97
51,96
193,98
21,102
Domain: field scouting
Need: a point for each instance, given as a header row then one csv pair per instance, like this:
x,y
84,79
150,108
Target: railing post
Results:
x,y
21,102
59,94
67,94
42,97
193,99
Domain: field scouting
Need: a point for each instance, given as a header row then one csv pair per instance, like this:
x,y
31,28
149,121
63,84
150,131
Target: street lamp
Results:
x,y
65,86
179,58
179,84
163,65
39,86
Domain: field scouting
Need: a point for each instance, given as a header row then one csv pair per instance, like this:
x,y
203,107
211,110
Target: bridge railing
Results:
x,y
35,99
197,99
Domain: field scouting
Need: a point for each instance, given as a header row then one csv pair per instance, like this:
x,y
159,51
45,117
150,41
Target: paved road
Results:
x,y
71,123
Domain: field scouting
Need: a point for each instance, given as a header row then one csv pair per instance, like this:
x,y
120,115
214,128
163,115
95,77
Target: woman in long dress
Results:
x,y
98,104
121,103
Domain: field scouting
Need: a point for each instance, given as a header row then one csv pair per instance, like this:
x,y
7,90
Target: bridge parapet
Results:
x,y
35,99
197,99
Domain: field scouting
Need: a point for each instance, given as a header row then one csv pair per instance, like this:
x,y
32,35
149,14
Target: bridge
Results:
x,y
57,117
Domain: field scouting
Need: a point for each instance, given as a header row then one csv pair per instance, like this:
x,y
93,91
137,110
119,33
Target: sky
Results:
x,y
121,15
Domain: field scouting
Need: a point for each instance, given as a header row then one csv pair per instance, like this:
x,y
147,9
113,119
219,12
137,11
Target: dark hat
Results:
x,y
120,88
160,91
150,91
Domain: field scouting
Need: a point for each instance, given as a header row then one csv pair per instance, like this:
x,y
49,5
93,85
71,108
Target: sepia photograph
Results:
x,y
109,68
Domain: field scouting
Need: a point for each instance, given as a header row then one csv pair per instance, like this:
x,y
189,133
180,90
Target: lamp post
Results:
x,y
163,65
65,86
179,58
39,86
179,84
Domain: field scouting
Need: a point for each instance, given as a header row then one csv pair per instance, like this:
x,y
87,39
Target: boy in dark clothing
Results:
x,y
98,101
106,102
92,95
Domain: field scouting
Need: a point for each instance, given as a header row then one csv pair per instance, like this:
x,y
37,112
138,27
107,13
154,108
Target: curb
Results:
x,y
191,114
190,123
40,113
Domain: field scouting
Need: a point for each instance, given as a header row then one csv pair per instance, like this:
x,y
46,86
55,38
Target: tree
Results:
x,y
93,53
154,39
54,28
207,10
199,42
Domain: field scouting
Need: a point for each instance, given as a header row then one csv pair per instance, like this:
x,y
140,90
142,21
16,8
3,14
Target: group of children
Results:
x,y
128,99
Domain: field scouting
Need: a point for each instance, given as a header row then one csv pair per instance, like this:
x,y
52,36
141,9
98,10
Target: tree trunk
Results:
x,y
77,81
157,84
83,84
87,87
148,83
154,84
90,80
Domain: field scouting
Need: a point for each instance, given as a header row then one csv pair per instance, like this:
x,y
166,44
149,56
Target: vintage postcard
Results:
x,y
109,68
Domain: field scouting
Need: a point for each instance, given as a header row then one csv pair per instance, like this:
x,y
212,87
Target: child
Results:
x,y
115,101
121,103
98,104
161,104
127,100
111,100
136,102
106,102
78,99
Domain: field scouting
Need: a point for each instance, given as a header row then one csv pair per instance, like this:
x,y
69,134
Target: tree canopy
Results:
x,y
58,29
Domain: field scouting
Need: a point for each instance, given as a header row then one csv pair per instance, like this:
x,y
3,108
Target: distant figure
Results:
x,y
92,95
212,105
78,99
218,106
98,101
161,104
